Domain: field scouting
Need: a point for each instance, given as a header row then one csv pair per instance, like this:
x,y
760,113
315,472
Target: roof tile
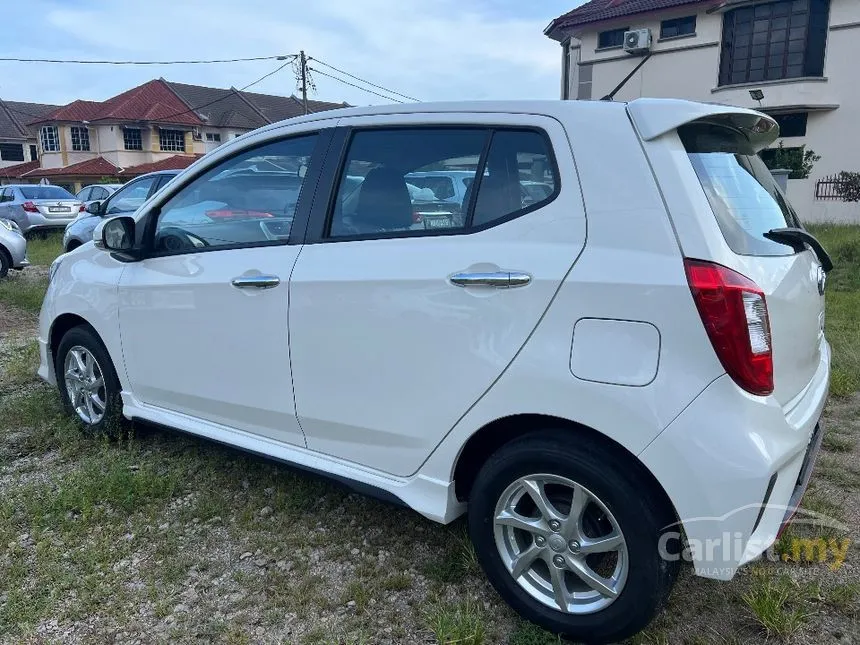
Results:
x,y
96,167
15,172
176,162
600,10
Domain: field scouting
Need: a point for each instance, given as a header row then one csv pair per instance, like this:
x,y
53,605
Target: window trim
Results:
x,y
82,132
323,209
171,132
678,19
610,47
303,205
139,136
56,137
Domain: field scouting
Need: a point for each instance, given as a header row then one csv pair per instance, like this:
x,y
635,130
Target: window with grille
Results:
x,y
214,137
677,27
774,41
50,138
80,139
11,152
131,138
171,140
611,38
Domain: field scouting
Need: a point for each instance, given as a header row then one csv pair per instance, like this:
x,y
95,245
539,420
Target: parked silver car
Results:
x,y
124,201
96,192
13,247
36,207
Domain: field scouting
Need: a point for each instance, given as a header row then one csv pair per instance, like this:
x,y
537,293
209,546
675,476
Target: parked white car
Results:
x,y
583,398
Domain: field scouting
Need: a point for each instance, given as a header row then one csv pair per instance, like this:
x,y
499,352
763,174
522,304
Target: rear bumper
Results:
x,y
37,221
735,466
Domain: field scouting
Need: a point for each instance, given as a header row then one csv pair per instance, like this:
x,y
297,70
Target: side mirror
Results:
x,y
117,235
95,208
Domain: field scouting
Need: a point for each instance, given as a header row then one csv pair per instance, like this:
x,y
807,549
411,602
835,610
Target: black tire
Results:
x,y
111,421
624,491
5,262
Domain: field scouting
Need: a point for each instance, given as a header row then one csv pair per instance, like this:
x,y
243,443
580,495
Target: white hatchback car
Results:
x,y
637,356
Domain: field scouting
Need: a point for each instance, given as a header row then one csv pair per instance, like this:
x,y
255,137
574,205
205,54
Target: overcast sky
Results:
x,y
432,50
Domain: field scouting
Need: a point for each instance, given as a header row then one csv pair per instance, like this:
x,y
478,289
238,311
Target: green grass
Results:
x,y
41,252
836,442
843,304
841,475
776,604
457,624
24,294
20,366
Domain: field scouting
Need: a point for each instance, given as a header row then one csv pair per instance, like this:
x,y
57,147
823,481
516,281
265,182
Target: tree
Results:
x,y
798,160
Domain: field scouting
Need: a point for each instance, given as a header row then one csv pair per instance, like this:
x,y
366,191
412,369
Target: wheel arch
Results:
x,y
62,324
492,436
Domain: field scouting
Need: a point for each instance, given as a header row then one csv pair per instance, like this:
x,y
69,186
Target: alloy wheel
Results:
x,y
561,543
85,385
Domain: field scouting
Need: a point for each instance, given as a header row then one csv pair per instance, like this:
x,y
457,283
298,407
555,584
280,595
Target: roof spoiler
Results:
x,y
655,117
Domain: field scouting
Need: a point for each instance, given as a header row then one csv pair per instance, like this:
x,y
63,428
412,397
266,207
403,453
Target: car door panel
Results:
x,y
216,351
215,307
388,353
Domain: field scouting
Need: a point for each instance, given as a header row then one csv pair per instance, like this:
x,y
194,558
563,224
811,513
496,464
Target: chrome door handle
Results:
x,y
498,279
256,282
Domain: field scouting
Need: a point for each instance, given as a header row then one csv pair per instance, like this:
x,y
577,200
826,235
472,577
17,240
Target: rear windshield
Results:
x,y
46,192
740,188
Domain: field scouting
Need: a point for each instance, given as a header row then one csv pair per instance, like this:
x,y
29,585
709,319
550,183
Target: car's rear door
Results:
x,y
397,326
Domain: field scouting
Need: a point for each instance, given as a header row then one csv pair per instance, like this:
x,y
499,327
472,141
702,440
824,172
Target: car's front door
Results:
x,y
402,314
204,318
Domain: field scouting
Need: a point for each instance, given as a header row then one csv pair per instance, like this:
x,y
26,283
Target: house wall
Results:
x,y
688,67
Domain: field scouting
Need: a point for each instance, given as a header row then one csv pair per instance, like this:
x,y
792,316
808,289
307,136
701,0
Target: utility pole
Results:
x,y
304,64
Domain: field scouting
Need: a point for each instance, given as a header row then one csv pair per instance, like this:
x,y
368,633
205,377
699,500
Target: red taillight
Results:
x,y
82,208
29,207
734,312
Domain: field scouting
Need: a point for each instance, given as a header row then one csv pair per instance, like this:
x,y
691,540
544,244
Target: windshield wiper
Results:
x,y
797,239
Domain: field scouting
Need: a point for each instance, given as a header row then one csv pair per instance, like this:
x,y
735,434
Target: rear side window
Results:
x,y
739,187
45,192
520,174
395,181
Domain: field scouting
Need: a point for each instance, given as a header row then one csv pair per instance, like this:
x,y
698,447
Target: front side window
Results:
x,y
131,139
171,140
739,187
677,27
377,193
611,38
774,41
84,195
11,152
80,139
249,199
50,138
128,198
98,193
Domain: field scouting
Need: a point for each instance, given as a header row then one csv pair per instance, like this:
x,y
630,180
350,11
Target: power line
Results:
x,y
242,89
191,109
364,89
358,78
143,62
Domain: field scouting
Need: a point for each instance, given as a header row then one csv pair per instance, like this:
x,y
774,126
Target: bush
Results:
x,y
848,186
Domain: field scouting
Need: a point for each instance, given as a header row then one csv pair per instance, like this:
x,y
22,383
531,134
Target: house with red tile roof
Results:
x,y
17,139
793,59
155,126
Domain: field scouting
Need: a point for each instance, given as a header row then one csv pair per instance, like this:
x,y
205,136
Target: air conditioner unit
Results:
x,y
197,134
637,41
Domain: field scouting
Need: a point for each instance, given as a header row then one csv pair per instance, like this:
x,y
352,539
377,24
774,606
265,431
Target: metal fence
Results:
x,y
828,188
